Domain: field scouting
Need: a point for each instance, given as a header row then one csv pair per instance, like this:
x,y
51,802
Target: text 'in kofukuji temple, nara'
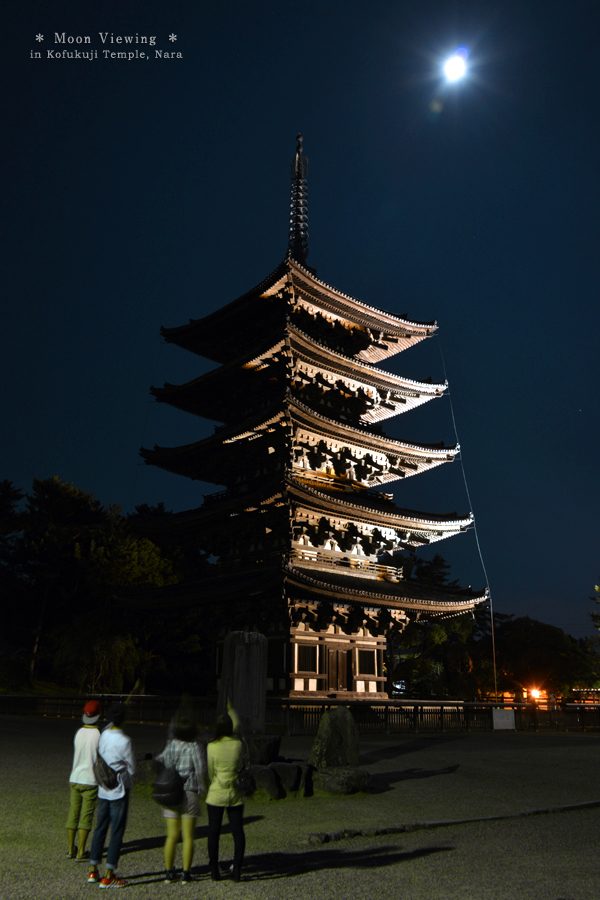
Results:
x,y
309,545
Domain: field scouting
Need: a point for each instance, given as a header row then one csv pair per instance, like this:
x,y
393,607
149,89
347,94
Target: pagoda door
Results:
x,y
338,665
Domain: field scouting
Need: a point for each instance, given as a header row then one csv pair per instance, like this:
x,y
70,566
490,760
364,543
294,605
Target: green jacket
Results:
x,y
224,761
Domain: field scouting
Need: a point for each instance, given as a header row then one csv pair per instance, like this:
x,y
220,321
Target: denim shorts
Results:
x,y
189,808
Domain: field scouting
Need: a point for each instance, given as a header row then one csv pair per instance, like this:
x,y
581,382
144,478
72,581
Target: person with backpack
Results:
x,y
115,751
184,756
83,784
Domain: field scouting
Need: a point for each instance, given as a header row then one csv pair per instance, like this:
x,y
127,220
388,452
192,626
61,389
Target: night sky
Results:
x,y
140,193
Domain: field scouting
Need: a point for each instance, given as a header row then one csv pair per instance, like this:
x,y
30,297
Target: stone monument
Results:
x,y
244,679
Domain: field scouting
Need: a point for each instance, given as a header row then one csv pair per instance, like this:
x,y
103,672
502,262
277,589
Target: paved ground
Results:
x,y
549,856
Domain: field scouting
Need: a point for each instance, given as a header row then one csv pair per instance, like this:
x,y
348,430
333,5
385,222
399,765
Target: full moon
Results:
x,y
455,67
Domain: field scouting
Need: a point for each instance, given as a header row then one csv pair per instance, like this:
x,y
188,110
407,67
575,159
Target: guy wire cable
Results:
x,y
449,394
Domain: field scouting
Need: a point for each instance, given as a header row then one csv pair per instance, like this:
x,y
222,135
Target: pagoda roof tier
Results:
x,y
337,584
229,585
372,509
220,394
214,458
210,459
392,394
204,396
218,335
240,583
216,507
365,508
412,459
389,334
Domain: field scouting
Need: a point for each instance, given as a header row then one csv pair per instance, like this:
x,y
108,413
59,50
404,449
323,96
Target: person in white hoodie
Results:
x,y
116,749
84,787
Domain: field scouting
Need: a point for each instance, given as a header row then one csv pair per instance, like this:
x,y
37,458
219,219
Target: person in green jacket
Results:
x,y
224,758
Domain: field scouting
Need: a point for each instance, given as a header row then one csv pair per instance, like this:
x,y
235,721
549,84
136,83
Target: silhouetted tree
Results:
x,y
532,654
434,572
70,557
433,658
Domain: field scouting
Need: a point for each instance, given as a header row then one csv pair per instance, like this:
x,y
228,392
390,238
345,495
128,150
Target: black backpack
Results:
x,y
168,787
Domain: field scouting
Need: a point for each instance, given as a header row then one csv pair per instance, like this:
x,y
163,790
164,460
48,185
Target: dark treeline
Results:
x,y
67,568
453,657
74,575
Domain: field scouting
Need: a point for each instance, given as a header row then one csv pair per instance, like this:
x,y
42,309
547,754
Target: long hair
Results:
x,y
224,727
185,729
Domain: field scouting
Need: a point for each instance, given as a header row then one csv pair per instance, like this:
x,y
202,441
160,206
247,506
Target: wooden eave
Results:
x,y
232,584
226,586
203,396
178,460
358,507
362,508
204,460
408,595
364,311
205,336
424,456
389,334
409,393
199,459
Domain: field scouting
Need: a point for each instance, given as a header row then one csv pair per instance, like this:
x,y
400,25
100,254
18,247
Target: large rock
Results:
x,y
336,743
267,780
305,788
278,779
341,780
289,775
263,748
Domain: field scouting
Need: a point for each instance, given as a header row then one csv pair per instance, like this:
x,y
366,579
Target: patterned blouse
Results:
x,y
189,759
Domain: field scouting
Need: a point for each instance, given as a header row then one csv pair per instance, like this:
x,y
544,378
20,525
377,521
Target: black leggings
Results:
x,y
236,820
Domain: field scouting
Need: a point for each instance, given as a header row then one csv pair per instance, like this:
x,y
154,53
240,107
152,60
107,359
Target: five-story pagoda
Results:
x,y
308,545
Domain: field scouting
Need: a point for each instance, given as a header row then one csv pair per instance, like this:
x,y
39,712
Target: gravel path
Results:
x,y
441,778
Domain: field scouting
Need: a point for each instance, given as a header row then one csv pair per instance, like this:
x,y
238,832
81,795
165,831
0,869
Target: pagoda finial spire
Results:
x,y
298,235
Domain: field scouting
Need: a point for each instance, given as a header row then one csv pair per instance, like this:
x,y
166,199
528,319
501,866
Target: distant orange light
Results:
x,y
535,694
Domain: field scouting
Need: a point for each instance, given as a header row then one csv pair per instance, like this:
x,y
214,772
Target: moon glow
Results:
x,y
455,66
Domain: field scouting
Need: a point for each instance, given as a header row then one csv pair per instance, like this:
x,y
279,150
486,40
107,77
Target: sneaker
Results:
x,y
186,878
93,877
170,876
113,881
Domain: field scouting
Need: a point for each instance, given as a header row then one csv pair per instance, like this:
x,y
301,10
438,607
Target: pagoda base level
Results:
x,y
339,695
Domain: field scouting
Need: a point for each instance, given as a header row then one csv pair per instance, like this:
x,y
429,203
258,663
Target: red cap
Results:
x,y
91,712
